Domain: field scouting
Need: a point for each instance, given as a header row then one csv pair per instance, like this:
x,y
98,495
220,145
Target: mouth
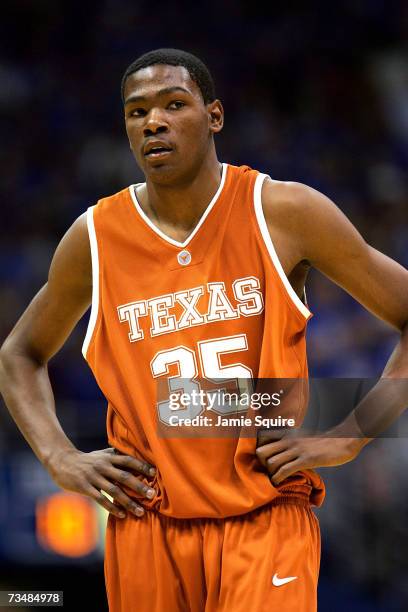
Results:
x,y
158,154
158,151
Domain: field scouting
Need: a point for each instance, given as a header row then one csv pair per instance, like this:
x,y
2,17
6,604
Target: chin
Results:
x,y
161,174
165,174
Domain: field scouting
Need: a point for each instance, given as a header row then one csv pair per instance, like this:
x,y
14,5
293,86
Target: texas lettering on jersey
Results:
x,y
246,291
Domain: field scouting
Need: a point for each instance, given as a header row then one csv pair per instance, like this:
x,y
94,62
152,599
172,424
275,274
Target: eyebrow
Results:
x,y
161,92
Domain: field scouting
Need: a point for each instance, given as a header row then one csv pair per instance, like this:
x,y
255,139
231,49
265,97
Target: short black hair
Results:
x,y
198,71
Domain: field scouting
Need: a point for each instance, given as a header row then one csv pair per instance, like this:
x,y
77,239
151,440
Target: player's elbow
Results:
x,y
6,353
15,356
6,363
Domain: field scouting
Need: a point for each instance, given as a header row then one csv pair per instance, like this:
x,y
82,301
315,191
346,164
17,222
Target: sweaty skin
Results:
x,y
163,104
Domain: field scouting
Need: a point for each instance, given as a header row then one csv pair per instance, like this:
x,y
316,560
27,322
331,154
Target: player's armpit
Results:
x,y
314,229
52,314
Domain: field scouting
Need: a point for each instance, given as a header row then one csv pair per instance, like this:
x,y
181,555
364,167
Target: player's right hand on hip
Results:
x,y
103,470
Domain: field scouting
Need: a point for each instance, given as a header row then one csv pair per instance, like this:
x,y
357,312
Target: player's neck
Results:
x,y
177,209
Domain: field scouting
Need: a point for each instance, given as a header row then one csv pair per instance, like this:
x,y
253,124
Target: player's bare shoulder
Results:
x,y
286,206
287,203
71,265
309,222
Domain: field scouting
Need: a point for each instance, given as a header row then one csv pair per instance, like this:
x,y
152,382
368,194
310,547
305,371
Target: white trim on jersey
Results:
x,y
95,280
304,296
132,190
271,249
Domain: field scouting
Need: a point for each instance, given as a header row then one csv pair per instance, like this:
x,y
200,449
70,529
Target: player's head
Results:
x,y
169,97
197,70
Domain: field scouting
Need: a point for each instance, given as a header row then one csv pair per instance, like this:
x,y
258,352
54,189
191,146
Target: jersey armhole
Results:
x,y
95,280
259,213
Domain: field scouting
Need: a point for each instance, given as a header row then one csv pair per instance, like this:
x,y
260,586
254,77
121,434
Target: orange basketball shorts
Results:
x,y
264,561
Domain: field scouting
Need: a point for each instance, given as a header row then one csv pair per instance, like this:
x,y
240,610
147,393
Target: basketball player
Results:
x,y
197,273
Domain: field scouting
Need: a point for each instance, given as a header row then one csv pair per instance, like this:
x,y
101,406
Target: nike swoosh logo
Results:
x,y
280,581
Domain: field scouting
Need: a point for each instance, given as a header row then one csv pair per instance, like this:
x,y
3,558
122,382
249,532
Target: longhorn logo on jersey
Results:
x,y
249,302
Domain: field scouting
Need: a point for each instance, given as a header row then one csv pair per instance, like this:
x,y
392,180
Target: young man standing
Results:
x,y
195,275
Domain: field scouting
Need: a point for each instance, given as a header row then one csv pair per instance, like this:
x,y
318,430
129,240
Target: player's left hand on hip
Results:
x,y
283,454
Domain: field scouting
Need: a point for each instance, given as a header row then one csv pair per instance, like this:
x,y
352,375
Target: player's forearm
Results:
x,y
384,403
27,392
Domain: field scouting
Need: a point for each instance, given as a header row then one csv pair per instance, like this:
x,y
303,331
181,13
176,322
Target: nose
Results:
x,y
156,123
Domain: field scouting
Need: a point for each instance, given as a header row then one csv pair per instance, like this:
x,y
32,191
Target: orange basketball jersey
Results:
x,y
217,306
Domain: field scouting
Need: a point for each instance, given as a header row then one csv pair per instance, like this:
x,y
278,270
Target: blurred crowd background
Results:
x,y
314,92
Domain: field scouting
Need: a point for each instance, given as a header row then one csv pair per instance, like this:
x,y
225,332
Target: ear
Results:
x,y
215,116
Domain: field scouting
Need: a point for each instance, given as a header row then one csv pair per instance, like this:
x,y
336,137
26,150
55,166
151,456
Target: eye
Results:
x,y
176,105
137,112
